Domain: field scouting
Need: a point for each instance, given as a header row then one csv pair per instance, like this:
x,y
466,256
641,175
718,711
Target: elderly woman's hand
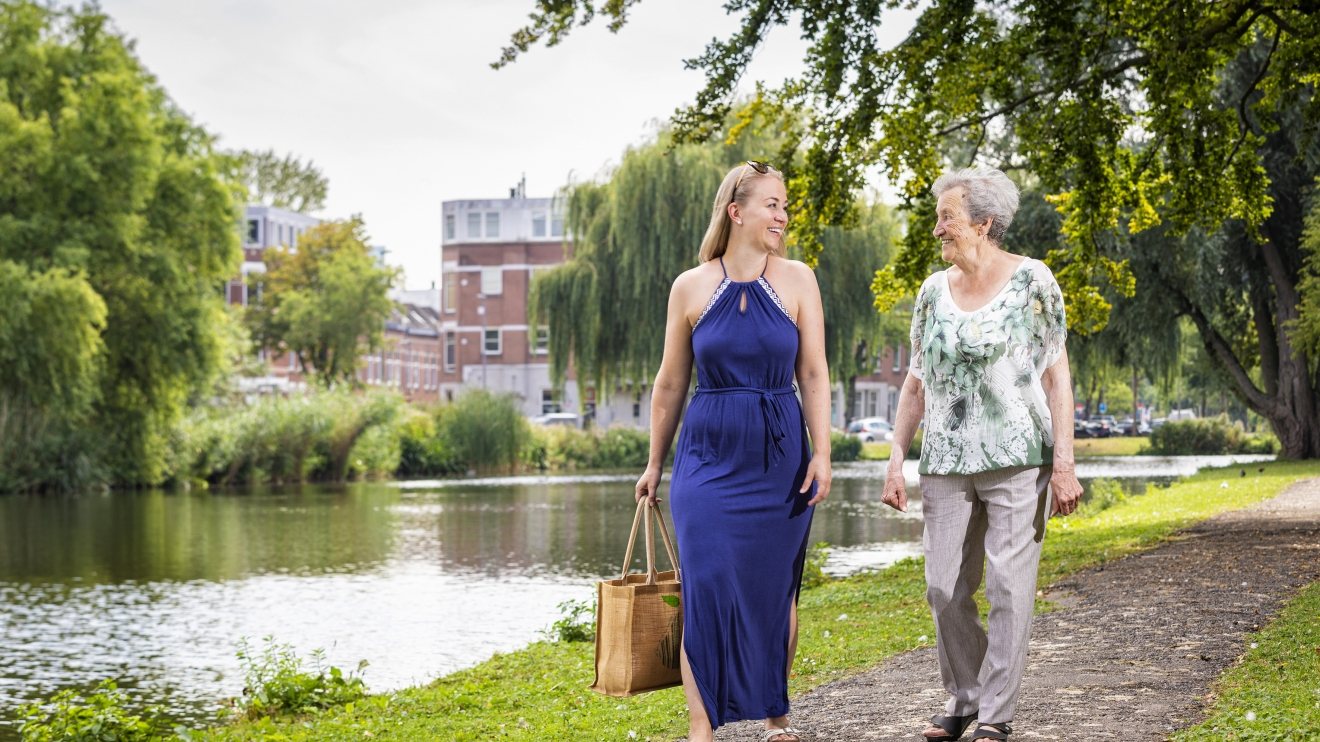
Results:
x,y
1066,490
895,494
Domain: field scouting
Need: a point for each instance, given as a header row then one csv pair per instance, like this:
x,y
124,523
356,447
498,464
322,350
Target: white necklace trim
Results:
x,y
775,298
723,285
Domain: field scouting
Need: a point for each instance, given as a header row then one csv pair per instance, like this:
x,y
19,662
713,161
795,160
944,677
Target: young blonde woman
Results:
x,y
745,476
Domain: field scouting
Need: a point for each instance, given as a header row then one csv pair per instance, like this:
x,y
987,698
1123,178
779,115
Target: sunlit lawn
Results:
x,y
848,625
1082,448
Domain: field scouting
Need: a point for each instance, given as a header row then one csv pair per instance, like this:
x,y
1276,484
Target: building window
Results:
x,y
451,292
557,225
474,225
451,227
542,341
254,231
538,224
550,402
451,350
492,281
493,344
492,224
898,357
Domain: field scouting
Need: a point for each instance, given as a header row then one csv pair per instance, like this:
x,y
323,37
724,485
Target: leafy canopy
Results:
x,y
326,301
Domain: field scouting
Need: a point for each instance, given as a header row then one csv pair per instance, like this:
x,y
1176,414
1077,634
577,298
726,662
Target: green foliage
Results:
x,y
112,209
844,447
813,569
422,452
1207,436
576,622
100,716
562,448
275,682
1305,327
1271,694
319,436
325,302
484,431
283,182
1104,494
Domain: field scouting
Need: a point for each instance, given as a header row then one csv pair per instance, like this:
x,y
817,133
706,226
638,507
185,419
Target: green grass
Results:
x,y
1114,446
1083,448
1274,693
848,625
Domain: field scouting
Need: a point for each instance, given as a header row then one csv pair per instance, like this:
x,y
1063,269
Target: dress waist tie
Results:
x,y
776,426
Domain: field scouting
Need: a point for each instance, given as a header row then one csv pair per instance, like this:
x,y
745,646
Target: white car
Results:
x,y
567,419
871,429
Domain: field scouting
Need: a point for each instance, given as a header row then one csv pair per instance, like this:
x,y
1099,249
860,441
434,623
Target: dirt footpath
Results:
x,y
1133,649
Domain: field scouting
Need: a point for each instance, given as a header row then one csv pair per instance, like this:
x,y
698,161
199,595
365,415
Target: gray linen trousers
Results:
x,y
995,516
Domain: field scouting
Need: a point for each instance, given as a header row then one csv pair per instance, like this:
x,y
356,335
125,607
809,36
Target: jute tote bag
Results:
x,y
639,619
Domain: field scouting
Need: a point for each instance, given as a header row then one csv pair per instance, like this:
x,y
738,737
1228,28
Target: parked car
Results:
x,y
871,429
1103,426
567,419
1081,429
1125,427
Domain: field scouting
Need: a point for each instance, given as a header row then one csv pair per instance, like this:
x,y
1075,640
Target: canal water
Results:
x,y
156,589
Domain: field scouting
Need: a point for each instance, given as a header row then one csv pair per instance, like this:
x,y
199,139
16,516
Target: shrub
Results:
x,y
1105,493
422,453
564,448
485,431
813,570
287,439
577,622
276,683
99,717
1208,436
844,447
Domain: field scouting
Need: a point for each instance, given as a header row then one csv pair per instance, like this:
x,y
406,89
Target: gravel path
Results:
x,y
1133,649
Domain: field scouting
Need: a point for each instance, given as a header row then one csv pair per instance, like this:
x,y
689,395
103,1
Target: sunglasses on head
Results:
x,y
760,167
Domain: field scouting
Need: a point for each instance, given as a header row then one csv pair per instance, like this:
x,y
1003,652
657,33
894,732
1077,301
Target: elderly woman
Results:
x,y
990,372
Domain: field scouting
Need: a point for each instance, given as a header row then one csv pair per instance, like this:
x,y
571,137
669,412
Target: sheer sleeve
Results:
x,y
920,309
1051,321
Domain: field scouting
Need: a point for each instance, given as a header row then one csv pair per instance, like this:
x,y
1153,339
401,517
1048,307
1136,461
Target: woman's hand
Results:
x,y
895,494
648,484
1066,490
820,472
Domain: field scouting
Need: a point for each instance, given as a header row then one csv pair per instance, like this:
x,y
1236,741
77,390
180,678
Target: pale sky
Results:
x,y
395,101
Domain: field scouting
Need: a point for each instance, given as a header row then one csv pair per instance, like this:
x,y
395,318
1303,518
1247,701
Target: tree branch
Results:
x,y
1244,124
1056,89
1217,347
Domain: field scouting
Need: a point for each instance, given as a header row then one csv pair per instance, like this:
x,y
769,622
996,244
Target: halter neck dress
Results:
x,y
742,526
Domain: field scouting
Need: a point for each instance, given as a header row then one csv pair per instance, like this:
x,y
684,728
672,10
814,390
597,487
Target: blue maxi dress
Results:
x,y
741,524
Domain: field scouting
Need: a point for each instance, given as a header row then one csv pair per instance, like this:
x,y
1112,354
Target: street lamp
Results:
x,y
481,312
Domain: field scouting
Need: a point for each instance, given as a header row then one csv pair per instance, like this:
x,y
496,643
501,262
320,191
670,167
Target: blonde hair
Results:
x,y
736,188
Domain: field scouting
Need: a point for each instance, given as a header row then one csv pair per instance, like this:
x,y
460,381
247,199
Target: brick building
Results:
x,y
491,250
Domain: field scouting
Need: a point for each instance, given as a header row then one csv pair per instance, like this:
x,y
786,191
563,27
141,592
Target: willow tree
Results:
x,y
636,231
1184,113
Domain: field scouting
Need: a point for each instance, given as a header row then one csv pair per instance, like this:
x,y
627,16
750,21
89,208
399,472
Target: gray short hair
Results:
x,y
989,193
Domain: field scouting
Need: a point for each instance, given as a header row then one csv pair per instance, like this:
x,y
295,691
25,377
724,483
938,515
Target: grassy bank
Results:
x,y
1082,447
1274,693
848,625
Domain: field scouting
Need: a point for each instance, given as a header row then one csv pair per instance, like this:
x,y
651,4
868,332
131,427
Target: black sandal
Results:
x,y
992,731
954,726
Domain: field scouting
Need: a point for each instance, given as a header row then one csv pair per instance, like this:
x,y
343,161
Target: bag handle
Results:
x,y
644,508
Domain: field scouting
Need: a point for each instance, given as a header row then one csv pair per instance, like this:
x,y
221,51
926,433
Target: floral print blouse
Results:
x,y
985,406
